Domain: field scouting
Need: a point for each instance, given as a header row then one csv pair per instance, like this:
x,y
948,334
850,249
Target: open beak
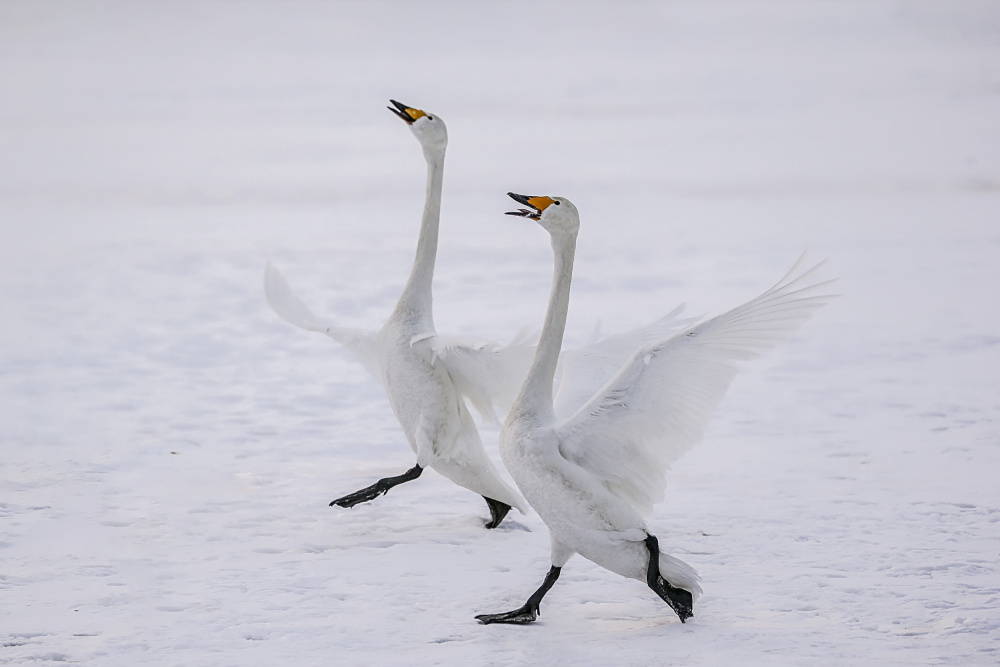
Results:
x,y
537,204
408,114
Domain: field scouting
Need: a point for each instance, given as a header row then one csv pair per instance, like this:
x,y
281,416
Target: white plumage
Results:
x,y
427,376
595,474
660,402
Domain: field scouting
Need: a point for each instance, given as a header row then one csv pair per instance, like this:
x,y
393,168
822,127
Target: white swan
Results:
x,y
426,376
593,476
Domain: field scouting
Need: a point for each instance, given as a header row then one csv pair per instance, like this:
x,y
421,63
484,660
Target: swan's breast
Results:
x,y
420,391
578,510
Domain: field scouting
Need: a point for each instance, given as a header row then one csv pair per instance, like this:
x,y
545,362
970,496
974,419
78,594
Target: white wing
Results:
x,y
488,374
584,370
291,309
660,402
491,374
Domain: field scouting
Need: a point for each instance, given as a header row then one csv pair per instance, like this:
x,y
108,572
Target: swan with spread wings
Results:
x,y
594,475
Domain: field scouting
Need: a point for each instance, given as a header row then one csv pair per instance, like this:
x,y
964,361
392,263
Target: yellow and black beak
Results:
x,y
408,114
537,204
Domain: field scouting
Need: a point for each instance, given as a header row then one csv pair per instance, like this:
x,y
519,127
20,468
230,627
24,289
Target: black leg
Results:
x,y
679,599
498,511
377,489
529,611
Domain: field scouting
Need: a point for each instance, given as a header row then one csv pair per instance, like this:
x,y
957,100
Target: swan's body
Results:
x,y
595,475
426,377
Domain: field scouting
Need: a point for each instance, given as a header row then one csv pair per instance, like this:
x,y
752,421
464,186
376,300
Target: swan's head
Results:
x,y
555,214
429,130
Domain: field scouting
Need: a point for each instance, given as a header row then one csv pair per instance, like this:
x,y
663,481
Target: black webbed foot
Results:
x,y
498,511
529,611
680,600
526,614
377,489
364,495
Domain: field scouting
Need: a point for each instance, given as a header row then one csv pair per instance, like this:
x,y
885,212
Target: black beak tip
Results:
x,y
400,111
520,199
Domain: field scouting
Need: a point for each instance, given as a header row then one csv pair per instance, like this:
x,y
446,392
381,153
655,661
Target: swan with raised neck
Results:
x,y
427,377
594,475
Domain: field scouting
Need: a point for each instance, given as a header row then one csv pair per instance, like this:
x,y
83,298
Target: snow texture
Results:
x,y
169,445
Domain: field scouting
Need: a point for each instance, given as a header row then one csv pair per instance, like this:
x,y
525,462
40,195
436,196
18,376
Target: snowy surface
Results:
x,y
169,446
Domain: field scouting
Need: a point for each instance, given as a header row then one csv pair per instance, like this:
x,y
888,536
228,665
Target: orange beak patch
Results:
x,y
414,113
540,203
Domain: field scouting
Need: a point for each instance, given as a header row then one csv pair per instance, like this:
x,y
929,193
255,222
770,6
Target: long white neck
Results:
x,y
535,398
417,297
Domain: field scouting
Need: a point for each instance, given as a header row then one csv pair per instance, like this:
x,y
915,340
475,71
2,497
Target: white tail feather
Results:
x,y
288,306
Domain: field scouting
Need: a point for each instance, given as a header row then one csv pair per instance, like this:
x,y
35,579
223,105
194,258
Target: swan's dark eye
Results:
x,y
430,118
557,203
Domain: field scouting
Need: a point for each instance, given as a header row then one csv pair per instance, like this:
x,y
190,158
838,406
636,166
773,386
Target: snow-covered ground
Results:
x,y
169,446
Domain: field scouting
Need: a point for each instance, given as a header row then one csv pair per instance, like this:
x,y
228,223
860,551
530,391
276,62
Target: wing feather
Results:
x,y
660,402
584,370
291,309
488,374
491,374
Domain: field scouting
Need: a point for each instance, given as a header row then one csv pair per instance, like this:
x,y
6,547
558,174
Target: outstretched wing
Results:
x,y
660,402
584,370
291,309
488,374
491,374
